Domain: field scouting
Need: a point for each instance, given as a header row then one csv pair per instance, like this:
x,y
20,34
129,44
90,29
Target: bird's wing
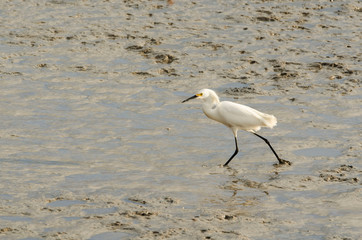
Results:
x,y
241,116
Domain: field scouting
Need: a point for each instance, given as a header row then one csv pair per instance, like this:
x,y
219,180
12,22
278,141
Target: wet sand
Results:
x,y
95,143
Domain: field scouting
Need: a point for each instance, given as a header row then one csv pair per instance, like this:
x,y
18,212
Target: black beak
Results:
x,y
189,98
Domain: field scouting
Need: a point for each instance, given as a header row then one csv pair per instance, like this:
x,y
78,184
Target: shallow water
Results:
x,y
95,143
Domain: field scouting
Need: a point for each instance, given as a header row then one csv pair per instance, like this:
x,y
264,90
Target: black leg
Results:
x,y
236,152
281,161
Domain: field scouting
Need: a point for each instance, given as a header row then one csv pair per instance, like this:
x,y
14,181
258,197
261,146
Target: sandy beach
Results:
x,y
96,144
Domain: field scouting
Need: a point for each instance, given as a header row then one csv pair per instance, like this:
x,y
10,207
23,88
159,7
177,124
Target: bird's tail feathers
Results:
x,y
269,120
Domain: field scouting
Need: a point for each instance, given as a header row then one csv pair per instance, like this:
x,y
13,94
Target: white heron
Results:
x,y
236,117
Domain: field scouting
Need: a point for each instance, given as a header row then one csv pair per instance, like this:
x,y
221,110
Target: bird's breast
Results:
x,y
212,113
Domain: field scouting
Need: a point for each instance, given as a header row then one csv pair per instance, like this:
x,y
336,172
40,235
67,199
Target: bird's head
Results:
x,y
202,94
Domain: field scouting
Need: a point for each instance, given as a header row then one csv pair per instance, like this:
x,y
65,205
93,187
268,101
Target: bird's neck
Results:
x,y
209,105
213,99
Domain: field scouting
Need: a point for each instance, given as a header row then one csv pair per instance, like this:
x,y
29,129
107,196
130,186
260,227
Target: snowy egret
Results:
x,y
236,117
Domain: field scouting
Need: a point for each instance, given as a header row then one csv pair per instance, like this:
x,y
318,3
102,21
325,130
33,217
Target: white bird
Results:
x,y
236,117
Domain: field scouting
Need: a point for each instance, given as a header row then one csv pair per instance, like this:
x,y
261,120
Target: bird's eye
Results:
x,y
199,95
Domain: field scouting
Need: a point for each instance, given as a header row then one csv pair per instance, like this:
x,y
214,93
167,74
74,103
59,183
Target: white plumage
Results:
x,y
236,117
